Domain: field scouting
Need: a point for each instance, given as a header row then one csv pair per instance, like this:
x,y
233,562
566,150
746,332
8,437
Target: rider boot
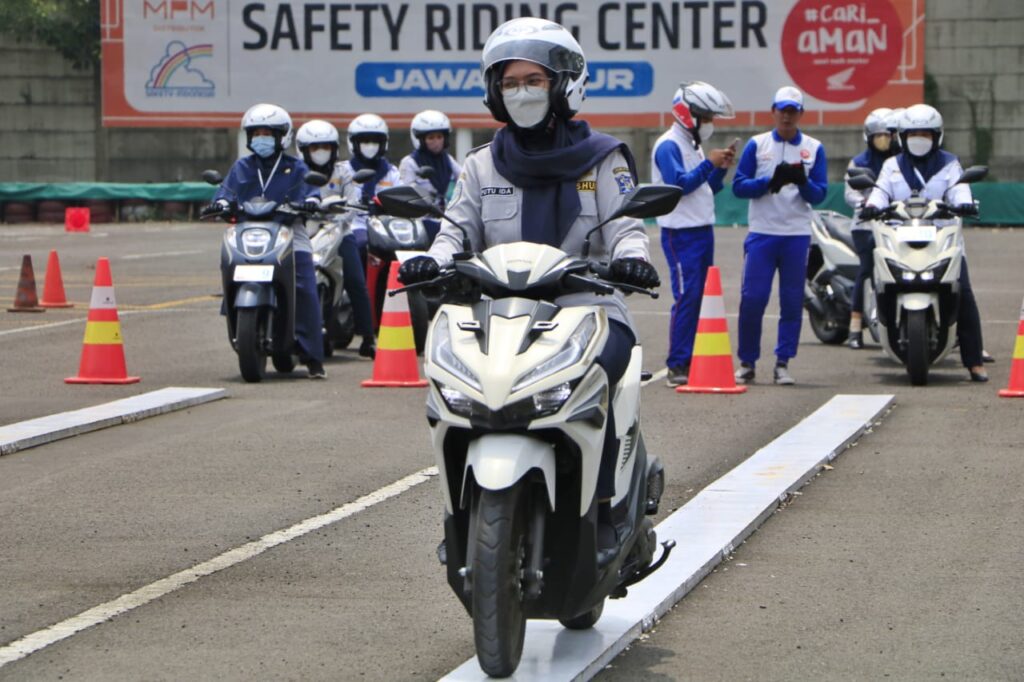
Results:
x,y
856,340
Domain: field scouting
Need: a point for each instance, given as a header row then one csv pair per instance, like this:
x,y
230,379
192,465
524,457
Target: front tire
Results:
x,y
828,331
252,360
917,347
499,625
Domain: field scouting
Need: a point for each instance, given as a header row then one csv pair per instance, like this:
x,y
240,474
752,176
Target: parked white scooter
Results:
x,y
919,248
517,408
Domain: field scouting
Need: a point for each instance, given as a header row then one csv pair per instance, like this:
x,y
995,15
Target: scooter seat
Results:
x,y
838,226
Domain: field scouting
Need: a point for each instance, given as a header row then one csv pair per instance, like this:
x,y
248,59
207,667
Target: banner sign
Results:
x,y
204,62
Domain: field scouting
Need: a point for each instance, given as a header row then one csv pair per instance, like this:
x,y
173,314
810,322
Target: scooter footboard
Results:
x,y
499,460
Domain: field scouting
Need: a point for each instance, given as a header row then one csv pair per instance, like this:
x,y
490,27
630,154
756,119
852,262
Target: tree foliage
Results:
x,y
72,27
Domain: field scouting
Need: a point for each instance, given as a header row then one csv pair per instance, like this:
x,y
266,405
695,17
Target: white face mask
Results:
x,y
320,157
919,146
527,106
706,130
369,149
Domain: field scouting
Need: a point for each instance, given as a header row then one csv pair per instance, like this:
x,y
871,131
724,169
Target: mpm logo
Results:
x,y
171,10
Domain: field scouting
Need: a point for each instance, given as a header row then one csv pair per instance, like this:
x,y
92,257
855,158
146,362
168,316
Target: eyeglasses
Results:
x,y
510,85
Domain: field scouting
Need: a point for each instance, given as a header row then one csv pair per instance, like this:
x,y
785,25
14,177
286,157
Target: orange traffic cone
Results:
x,y
395,364
102,348
1015,389
25,299
711,366
53,287
76,219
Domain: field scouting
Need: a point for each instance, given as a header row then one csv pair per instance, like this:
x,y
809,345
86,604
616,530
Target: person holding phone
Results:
x,y
687,232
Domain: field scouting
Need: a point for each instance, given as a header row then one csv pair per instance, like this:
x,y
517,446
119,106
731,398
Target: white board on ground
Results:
x,y
706,530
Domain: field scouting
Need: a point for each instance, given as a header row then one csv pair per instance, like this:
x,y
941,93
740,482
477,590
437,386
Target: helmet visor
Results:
x,y
554,57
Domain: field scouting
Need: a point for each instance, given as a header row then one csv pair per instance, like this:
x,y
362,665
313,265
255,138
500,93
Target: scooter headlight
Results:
x,y
256,241
540,405
570,354
549,401
443,355
402,229
935,272
457,401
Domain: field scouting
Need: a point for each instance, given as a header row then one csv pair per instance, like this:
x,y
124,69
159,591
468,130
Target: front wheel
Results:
x,y
252,360
827,329
499,625
917,347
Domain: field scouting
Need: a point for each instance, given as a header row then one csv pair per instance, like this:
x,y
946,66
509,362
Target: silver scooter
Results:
x,y
919,249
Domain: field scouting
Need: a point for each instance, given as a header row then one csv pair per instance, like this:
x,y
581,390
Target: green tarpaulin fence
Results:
x,y
1002,203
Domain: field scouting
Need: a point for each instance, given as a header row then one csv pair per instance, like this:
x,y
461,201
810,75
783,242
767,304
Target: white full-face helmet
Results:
x,y
921,117
697,100
542,42
426,122
368,128
877,123
317,132
268,116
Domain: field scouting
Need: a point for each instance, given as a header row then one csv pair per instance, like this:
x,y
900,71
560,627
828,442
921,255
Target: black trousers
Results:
x,y
614,359
968,322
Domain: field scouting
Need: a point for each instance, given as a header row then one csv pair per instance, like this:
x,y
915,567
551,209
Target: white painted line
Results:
x,y
163,254
40,639
706,530
34,432
82,320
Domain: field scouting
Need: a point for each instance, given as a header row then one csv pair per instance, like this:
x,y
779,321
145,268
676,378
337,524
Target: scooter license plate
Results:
x,y
916,233
254,273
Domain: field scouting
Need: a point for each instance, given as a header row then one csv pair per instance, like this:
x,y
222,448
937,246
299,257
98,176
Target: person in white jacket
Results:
x,y
548,179
431,133
924,167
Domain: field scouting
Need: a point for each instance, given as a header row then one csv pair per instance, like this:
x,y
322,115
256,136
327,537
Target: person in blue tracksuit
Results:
x,y
783,173
687,235
270,173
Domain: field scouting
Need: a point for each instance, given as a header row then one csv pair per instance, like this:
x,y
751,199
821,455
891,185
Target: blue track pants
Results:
x,y
690,252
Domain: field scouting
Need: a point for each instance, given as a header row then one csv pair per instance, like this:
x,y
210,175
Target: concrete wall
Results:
x,y
974,58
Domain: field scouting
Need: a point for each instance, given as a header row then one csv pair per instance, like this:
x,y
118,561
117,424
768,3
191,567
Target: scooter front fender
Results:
x,y
498,460
917,301
255,295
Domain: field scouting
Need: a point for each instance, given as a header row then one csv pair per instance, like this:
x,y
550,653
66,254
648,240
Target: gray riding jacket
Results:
x,y
490,207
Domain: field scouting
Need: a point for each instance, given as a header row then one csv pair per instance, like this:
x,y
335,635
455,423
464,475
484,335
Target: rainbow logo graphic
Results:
x,y
176,75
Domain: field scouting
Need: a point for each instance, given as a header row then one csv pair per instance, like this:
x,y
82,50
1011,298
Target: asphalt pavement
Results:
x,y
902,561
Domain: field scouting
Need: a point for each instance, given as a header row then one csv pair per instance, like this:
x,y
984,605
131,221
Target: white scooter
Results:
x,y
517,408
919,248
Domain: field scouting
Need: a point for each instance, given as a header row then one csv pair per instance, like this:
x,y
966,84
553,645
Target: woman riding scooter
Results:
x,y
923,166
270,173
431,133
880,147
548,179
318,142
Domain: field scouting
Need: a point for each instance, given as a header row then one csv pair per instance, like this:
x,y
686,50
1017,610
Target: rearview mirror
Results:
x,y
316,179
212,177
857,171
364,175
860,182
650,201
407,201
425,172
973,174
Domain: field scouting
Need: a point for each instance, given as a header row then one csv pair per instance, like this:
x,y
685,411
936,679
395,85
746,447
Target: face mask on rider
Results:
x,y
919,146
369,149
263,145
881,143
706,130
320,157
526,106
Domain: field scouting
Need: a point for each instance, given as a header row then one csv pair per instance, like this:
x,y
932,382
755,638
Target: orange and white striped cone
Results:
x,y
1015,388
711,368
396,363
102,348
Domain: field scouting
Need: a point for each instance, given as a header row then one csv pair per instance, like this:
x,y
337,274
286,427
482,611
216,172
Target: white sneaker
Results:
x,y
783,377
745,374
